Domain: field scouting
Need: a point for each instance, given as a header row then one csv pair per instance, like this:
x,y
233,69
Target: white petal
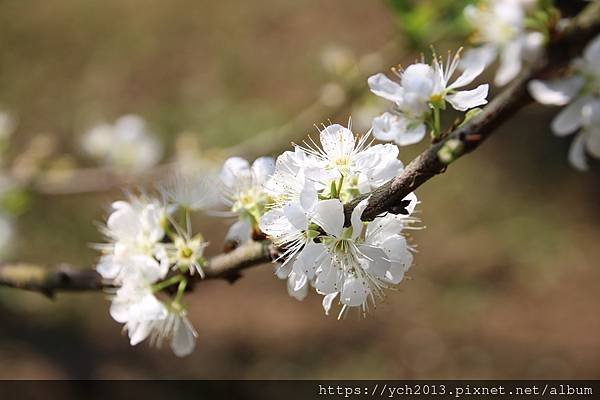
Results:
x,y
329,215
388,126
592,52
283,271
297,286
240,231
384,87
469,74
327,300
233,168
510,63
419,79
558,92
476,56
329,280
412,198
375,263
592,142
184,340
308,196
296,215
398,128
354,292
337,140
569,119
397,271
467,99
357,224
309,259
119,311
577,153
138,332
107,267
262,169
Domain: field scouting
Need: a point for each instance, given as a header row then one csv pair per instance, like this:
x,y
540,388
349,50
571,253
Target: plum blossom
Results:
x,y
145,244
135,229
306,220
359,263
501,32
125,144
422,91
243,187
580,92
144,316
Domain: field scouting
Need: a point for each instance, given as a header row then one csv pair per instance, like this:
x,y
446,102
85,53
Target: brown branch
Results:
x,y
461,141
66,278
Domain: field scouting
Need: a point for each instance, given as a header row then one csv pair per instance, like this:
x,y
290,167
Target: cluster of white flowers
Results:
x,y
422,91
503,30
125,144
581,91
301,201
147,253
309,188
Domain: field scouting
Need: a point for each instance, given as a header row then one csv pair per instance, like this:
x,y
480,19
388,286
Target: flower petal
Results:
x,y
467,99
262,169
592,52
327,300
478,55
329,215
577,153
510,63
354,292
183,342
384,87
398,128
337,140
569,119
233,168
296,215
558,92
472,71
357,224
240,231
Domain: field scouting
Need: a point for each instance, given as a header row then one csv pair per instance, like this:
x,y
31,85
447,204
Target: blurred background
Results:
x,y
506,280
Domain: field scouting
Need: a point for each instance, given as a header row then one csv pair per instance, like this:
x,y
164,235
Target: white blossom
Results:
x,y
243,187
145,243
342,157
191,190
144,316
421,92
125,144
580,92
135,229
309,188
501,32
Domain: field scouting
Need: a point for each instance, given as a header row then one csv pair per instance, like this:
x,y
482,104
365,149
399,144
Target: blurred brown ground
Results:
x,y
506,280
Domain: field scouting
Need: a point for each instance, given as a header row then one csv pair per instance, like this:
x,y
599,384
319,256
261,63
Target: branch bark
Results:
x,y
463,140
66,278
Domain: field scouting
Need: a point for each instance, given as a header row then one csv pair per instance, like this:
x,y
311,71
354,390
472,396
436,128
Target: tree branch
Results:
x,y
66,278
468,137
563,46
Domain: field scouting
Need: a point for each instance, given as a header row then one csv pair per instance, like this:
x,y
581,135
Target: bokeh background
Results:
x,y
506,282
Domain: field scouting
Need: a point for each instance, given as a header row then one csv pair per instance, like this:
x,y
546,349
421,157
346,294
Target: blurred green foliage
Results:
x,y
424,21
